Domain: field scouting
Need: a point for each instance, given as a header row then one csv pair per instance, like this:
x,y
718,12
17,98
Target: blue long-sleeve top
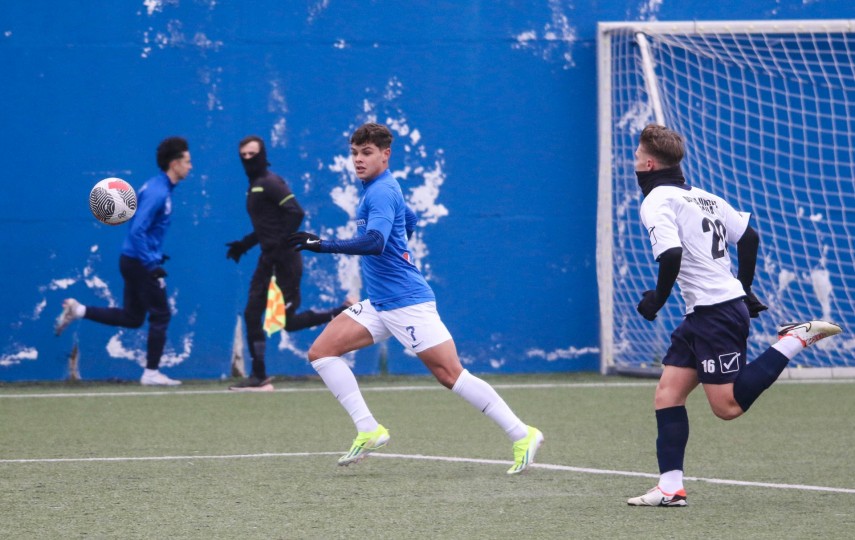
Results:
x,y
150,222
384,222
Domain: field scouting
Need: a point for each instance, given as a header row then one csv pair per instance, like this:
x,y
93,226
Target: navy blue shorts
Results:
x,y
713,340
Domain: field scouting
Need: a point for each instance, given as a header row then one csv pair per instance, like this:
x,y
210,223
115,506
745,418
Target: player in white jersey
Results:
x,y
689,230
400,303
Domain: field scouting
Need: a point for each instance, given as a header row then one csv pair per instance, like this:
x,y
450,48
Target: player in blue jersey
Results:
x,y
689,230
141,263
400,303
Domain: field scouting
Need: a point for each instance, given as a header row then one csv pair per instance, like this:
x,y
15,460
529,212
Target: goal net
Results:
x,y
768,113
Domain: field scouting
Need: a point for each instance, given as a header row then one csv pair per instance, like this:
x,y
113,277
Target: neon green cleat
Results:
x,y
525,449
364,444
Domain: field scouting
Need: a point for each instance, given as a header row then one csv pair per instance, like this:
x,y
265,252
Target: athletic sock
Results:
x,y
789,346
79,311
340,380
759,375
672,424
671,482
483,397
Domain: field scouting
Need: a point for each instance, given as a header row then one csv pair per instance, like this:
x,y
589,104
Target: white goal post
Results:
x,y
768,112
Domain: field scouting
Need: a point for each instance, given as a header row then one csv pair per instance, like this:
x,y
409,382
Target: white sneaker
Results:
x,y
808,332
68,315
657,497
156,378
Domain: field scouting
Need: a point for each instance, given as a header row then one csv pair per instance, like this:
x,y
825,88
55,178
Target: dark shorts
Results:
x,y
713,340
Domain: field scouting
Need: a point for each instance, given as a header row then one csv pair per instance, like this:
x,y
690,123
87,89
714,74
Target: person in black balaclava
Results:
x,y
275,215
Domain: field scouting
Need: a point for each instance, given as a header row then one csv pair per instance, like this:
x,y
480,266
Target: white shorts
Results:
x,y
417,327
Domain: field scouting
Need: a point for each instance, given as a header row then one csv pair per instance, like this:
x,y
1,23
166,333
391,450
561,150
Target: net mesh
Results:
x,y
769,122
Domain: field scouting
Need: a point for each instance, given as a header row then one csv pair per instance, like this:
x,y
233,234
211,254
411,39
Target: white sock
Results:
x,y
79,311
340,380
789,346
483,397
147,371
671,482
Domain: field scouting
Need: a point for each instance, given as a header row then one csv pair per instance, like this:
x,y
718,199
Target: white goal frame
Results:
x,y
606,123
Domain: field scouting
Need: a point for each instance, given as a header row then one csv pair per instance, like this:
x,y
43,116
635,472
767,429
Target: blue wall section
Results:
x,y
493,105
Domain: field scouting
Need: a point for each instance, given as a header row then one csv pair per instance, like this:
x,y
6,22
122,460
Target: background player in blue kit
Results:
x,y
140,263
400,303
689,230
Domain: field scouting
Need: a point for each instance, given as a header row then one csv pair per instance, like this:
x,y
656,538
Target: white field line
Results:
x,y
368,388
545,466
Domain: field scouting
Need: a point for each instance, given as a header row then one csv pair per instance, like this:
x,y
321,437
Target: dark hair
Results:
x,y
249,138
372,133
169,149
663,144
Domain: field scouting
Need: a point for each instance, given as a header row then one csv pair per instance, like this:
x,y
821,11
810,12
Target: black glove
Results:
x,y
303,240
649,305
754,305
158,273
236,250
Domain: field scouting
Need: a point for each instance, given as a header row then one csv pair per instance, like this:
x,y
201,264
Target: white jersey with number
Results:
x,y
702,224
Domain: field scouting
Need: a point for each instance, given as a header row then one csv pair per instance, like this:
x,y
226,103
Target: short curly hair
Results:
x,y
169,149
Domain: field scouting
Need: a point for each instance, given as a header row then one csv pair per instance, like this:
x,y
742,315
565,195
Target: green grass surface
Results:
x,y
225,465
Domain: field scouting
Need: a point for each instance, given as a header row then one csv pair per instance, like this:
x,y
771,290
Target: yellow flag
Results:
x,y
274,315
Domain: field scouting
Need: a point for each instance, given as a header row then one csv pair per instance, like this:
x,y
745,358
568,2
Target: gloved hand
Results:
x,y
649,305
158,273
754,305
304,240
236,250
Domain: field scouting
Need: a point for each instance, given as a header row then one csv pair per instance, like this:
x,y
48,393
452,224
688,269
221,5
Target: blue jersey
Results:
x,y
149,224
391,279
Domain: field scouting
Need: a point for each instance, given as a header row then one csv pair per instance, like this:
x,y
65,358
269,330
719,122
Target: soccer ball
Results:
x,y
113,201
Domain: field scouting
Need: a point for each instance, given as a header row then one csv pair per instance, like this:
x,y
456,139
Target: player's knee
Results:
x,y
159,319
663,400
135,322
727,412
318,351
446,379
253,314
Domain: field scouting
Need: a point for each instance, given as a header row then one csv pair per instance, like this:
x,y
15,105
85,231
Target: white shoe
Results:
x,y
68,315
808,332
657,497
156,378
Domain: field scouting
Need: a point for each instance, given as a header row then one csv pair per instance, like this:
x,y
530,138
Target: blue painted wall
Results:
x,y
493,105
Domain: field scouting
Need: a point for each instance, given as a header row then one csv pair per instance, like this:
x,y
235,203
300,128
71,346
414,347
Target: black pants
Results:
x,y
143,294
287,266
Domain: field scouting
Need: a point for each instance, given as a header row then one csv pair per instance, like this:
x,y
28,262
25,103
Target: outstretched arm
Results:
x,y
371,243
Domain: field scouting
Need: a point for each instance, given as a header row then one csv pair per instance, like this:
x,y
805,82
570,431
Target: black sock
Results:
x,y
758,376
673,427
